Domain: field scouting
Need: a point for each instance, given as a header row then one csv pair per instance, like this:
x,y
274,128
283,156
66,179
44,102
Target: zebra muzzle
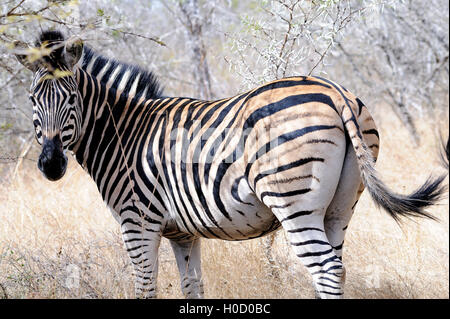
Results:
x,y
52,162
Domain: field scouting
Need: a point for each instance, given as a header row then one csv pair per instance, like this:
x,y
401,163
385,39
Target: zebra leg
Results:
x,y
142,243
301,209
188,257
307,237
341,208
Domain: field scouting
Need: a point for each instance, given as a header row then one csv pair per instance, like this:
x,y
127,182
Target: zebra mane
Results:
x,y
147,83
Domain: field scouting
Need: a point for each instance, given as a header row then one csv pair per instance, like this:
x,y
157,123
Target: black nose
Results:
x,y
52,161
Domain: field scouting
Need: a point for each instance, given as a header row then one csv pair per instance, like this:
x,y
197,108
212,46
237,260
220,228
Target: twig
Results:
x,y
5,295
21,14
141,36
14,8
25,151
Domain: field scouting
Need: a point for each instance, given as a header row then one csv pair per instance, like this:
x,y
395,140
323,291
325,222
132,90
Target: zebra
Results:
x,y
445,152
295,153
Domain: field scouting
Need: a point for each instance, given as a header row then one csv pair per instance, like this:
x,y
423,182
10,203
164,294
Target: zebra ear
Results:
x,y
21,55
73,51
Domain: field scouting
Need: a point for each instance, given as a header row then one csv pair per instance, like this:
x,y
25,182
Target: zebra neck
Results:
x,y
114,94
106,116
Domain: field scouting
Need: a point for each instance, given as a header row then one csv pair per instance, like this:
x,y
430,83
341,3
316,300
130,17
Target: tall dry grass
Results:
x,y
51,232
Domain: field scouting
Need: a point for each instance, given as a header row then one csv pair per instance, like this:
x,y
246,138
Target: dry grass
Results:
x,y
49,231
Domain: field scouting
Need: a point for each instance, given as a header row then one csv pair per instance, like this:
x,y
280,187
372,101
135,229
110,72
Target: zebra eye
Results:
x,y
72,99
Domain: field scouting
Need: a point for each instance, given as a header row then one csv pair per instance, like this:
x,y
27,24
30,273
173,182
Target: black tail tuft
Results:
x,y
445,153
412,205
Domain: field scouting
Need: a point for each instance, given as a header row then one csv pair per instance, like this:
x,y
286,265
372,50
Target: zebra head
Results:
x,y
56,99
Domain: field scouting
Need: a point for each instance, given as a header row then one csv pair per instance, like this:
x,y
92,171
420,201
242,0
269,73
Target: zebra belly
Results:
x,y
241,219
248,222
244,223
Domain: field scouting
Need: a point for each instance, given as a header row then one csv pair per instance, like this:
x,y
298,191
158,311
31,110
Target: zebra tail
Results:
x,y
397,205
445,152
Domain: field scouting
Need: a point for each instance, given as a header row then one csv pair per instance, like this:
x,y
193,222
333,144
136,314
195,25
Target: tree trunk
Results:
x,y
194,24
405,117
